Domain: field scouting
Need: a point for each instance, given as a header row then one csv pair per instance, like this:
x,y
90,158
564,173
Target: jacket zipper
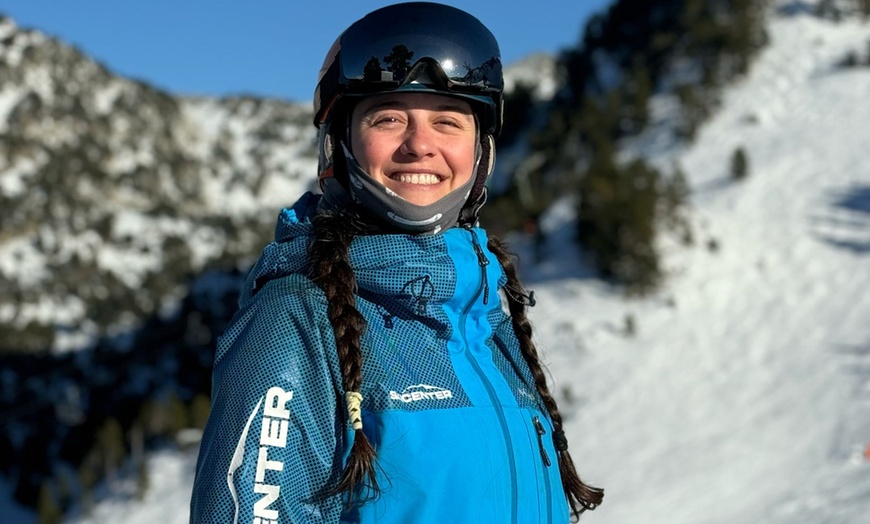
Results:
x,y
482,261
483,287
539,429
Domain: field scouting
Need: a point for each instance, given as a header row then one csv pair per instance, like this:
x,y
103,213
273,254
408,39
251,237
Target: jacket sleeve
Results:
x,y
272,443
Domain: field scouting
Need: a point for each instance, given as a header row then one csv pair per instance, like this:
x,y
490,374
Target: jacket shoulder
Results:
x,y
283,312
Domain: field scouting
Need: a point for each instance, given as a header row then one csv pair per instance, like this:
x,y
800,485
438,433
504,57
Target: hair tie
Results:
x,y
560,441
354,399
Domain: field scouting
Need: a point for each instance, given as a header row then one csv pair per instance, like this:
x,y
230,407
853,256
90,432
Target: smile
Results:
x,y
420,179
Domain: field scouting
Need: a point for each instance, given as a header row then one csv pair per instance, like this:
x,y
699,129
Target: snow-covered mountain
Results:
x,y
114,192
740,392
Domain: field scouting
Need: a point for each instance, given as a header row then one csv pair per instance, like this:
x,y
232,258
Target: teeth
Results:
x,y
423,179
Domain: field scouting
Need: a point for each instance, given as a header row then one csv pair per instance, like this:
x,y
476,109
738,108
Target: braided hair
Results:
x,y
331,270
580,496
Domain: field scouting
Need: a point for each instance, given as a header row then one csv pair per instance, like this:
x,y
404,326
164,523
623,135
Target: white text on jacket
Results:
x,y
273,434
421,392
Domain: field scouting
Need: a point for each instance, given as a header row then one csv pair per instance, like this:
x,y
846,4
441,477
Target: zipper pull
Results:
x,y
539,428
483,262
388,318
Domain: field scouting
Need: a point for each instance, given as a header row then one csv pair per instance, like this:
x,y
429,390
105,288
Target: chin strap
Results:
x,y
402,215
477,198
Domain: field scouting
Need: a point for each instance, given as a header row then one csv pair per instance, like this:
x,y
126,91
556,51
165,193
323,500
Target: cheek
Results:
x,y
371,152
463,160
362,151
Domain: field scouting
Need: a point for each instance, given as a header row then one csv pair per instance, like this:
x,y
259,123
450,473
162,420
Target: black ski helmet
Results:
x,y
416,47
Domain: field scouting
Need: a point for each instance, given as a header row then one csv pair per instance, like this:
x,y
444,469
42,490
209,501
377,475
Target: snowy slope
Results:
x,y
744,394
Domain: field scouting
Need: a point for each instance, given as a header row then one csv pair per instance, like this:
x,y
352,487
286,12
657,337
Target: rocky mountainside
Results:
x,y
114,193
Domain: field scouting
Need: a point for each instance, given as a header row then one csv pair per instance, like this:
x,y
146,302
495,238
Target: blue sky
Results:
x,y
262,47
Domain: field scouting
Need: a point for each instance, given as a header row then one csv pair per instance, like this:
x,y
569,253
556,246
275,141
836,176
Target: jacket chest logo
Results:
x,y
421,392
420,290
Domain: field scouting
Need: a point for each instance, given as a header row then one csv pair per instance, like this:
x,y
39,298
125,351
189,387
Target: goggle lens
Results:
x,y
465,51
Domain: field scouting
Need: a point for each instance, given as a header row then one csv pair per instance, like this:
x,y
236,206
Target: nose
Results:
x,y
418,141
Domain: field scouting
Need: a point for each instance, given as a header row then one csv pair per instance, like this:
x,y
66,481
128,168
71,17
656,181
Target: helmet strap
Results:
x,y
477,198
399,213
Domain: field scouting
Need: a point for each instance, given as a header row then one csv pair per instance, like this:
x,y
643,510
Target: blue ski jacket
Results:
x,y
449,403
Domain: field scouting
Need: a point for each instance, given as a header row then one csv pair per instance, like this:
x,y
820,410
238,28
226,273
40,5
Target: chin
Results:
x,y
423,201
421,197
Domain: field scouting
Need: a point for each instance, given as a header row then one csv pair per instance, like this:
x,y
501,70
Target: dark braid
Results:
x,y
580,496
331,270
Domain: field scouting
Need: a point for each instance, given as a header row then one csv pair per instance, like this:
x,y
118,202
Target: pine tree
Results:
x,y
692,110
518,106
110,442
640,91
617,220
48,509
178,416
399,61
675,194
137,452
143,480
739,164
629,325
199,411
88,478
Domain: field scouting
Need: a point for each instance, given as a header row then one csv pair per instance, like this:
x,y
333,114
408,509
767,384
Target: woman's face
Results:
x,y
419,145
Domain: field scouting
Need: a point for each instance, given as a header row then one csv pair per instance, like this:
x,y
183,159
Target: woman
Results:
x,y
371,374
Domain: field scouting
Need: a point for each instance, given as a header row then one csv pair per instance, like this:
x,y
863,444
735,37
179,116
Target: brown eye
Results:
x,y
385,121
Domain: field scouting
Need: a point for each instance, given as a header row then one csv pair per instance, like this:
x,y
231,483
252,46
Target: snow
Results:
x,y
743,393
211,119
9,99
7,28
104,99
735,401
40,81
537,70
22,261
165,498
13,182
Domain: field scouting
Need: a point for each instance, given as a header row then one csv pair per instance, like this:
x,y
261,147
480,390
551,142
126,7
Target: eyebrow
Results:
x,y
398,104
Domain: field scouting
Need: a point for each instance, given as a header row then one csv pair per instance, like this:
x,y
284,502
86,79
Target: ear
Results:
x,y
331,163
488,158
326,150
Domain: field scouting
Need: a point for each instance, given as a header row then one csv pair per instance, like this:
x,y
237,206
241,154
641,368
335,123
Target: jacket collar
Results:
x,y
410,271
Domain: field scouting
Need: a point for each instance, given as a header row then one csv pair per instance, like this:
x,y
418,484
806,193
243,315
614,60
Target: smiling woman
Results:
x,y
371,373
420,146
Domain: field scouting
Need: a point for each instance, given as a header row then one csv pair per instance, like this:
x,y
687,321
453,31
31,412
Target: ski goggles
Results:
x,y
393,48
